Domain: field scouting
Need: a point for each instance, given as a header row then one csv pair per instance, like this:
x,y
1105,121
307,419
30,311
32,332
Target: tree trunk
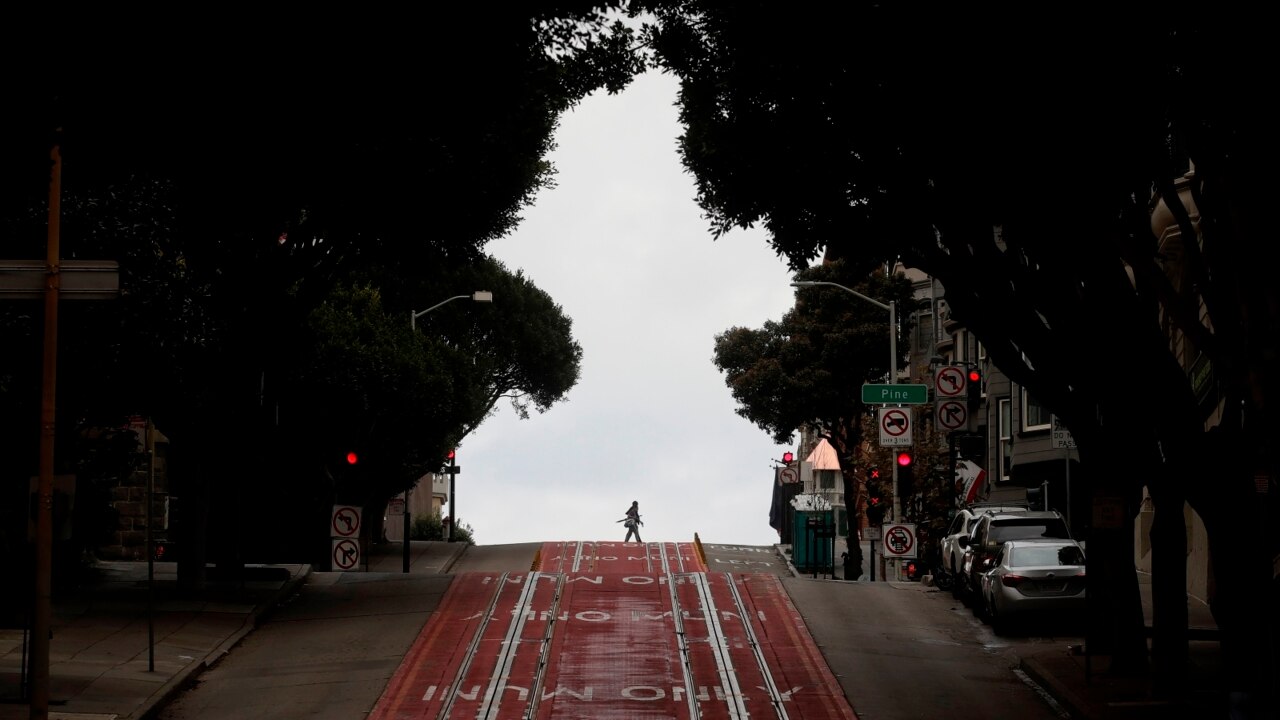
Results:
x,y
1169,650
852,498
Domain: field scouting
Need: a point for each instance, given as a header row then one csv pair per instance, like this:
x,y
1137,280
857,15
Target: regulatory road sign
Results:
x,y
1061,435
895,427
949,381
900,540
346,554
951,414
900,394
346,521
789,475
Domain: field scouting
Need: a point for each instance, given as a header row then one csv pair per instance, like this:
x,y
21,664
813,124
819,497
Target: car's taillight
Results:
x,y
1012,581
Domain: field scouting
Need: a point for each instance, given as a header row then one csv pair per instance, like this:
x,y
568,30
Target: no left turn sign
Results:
x,y
346,521
949,381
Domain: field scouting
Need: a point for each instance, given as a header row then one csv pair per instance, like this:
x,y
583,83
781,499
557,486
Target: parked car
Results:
x,y
961,524
992,530
1034,578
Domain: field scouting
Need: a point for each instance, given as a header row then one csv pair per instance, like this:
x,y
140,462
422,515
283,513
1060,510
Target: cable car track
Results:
x,y
614,630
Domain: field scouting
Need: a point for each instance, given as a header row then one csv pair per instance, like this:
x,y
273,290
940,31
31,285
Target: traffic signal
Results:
x,y
972,446
906,474
164,551
912,570
787,457
875,509
974,385
1035,498
352,457
873,474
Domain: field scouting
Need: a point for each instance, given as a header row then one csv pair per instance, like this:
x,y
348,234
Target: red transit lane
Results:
x,y
614,630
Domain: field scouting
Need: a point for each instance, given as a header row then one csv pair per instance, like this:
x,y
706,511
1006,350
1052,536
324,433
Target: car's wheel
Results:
x,y
999,623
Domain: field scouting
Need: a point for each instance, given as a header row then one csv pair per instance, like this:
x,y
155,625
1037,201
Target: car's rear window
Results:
x,y
1028,528
1047,556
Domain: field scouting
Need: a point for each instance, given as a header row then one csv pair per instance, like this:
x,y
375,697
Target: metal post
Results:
x,y
151,549
955,497
895,505
893,379
405,539
872,560
453,509
1066,462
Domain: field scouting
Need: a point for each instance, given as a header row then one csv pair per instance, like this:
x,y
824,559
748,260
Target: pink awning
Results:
x,y
823,457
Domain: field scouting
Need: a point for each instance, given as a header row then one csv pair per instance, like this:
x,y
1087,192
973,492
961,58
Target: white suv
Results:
x,y
961,525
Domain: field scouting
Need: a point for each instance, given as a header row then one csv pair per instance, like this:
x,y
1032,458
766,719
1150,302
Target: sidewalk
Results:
x,y
1083,685
101,660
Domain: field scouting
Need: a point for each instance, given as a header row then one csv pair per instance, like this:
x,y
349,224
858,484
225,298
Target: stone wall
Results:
x,y
129,500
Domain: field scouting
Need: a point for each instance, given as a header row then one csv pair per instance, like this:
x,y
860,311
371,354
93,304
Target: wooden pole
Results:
x,y
42,618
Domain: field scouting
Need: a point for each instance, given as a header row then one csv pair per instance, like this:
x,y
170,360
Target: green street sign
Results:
x,y
902,394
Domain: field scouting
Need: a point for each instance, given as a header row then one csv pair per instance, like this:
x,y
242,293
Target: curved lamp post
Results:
x,y
893,364
477,296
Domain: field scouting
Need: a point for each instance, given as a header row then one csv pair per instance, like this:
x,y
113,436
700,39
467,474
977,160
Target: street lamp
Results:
x,y
478,296
893,365
893,320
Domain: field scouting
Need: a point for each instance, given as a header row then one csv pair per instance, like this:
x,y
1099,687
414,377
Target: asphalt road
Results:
x,y
899,650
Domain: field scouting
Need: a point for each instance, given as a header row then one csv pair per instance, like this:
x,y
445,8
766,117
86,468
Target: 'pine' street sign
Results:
x,y
901,394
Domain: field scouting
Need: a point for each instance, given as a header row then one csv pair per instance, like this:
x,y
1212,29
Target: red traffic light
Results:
x,y
873,501
352,458
904,459
975,375
874,473
787,457
451,455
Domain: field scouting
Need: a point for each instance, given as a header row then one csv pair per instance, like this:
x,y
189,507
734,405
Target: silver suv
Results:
x,y
965,518
993,529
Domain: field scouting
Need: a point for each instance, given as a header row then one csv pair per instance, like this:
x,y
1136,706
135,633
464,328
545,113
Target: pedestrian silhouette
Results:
x,y
632,521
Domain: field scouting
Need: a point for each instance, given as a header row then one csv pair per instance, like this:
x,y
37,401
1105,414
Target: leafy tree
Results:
x,y
873,135
364,380
328,147
808,369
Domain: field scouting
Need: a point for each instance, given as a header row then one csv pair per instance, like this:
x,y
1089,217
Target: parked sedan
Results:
x,y
1034,578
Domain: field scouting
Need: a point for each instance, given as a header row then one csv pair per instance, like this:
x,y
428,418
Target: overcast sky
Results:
x,y
622,247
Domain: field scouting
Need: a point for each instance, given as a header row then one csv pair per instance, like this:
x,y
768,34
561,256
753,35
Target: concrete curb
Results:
x,y
180,679
1056,689
454,557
